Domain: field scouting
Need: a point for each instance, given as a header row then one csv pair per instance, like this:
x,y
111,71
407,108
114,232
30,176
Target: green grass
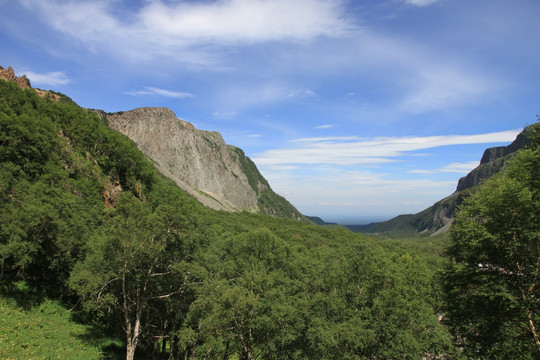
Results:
x,y
44,332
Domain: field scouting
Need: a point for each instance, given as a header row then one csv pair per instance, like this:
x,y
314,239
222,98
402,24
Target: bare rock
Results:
x,y
24,83
198,161
9,75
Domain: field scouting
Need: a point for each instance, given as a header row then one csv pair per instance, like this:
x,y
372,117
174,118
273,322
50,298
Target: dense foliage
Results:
x,y
492,285
87,222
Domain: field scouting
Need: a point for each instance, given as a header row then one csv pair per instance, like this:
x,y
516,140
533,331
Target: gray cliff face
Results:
x,y
198,161
492,162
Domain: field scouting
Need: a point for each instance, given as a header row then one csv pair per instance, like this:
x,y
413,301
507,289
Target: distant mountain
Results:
x,y
438,218
220,176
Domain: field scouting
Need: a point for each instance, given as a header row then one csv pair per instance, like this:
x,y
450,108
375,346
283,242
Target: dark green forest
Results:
x,y
103,257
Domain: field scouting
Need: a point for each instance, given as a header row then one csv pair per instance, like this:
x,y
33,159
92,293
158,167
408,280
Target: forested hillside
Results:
x,y
94,240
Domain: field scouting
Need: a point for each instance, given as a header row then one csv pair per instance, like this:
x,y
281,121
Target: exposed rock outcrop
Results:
x,y
439,217
9,75
219,175
492,162
24,83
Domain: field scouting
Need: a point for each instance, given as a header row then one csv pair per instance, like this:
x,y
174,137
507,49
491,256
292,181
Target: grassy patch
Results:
x,y
44,332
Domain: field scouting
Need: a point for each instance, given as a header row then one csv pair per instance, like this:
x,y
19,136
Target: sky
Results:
x,y
355,111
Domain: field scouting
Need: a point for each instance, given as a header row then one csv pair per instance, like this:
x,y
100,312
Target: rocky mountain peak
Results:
x,y
24,83
9,75
494,153
492,162
220,176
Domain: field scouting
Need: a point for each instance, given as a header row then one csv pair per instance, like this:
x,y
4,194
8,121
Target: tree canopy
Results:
x,y
87,221
492,290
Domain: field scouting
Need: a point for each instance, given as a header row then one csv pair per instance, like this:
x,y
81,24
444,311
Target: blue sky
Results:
x,y
353,110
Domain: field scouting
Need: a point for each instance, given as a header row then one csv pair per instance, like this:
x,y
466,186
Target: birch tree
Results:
x,y
132,262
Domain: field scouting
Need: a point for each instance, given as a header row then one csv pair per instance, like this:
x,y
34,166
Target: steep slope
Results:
x,y
220,176
438,218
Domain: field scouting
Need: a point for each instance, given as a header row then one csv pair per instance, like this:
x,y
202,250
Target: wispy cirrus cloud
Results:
x,y
206,35
158,27
351,191
238,97
460,168
353,150
54,78
421,3
358,174
324,126
302,93
153,91
241,21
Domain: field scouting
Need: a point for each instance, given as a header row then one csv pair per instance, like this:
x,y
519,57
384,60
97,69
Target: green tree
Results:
x,y
492,295
372,302
134,263
244,307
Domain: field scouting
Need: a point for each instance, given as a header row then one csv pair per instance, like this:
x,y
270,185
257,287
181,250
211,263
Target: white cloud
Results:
x,y
55,78
245,21
351,174
225,114
460,168
325,126
188,30
302,93
421,2
424,77
418,76
202,35
365,175
152,91
352,150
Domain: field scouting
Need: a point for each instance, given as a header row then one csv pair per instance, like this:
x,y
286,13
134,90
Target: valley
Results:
x,y
134,235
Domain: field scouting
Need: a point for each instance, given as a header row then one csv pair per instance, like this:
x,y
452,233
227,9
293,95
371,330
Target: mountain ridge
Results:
x,y
437,219
219,175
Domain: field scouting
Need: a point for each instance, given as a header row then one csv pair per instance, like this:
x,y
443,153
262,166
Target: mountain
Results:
x,y
438,218
220,176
